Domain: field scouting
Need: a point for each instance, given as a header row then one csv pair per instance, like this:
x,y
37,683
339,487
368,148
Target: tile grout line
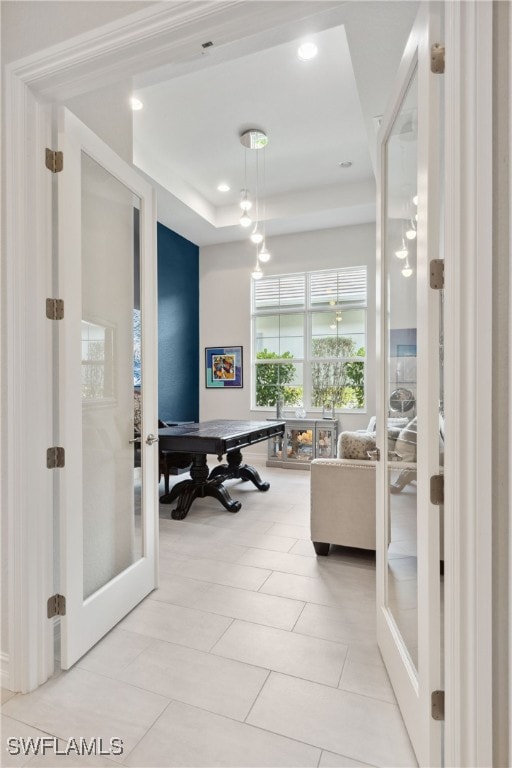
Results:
x,y
210,650
298,617
257,697
169,702
262,585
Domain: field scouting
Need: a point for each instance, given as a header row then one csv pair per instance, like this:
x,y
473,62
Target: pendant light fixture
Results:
x,y
257,272
407,269
411,232
245,220
402,252
245,203
256,139
264,254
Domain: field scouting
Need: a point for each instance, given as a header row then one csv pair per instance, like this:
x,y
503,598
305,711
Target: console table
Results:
x,y
220,437
303,440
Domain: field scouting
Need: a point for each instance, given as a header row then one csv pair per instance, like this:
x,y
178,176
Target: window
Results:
x,y
97,361
309,339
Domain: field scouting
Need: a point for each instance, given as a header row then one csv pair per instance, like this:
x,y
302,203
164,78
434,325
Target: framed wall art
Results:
x,y
224,367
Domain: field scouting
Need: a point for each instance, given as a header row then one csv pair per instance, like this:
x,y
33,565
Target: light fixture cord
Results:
x,y
264,223
245,174
257,188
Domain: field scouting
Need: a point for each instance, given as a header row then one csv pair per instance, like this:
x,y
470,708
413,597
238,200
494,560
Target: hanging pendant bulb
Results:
x,y
411,232
407,269
245,220
402,252
264,255
245,203
256,236
257,273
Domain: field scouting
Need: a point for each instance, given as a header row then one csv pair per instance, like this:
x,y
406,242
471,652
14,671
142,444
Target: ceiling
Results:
x,y
316,115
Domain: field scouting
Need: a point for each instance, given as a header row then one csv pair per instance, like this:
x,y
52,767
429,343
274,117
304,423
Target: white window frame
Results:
x,y
308,310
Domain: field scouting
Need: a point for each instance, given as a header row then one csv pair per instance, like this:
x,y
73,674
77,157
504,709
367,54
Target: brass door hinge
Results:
x,y
437,705
54,160
437,490
437,58
54,309
56,606
437,274
55,457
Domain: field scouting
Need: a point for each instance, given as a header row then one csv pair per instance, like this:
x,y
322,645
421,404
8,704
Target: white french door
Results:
x,y
409,332
107,388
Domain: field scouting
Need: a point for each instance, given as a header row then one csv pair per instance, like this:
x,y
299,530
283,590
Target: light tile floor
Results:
x,y
251,653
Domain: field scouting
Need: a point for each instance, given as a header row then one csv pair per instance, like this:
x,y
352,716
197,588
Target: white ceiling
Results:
x,y
315,114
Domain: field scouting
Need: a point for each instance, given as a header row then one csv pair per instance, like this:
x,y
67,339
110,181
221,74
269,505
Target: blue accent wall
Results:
x,y
178,327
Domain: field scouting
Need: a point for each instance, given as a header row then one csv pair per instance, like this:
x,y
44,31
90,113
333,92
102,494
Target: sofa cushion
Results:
x,y
406,441
355,445
394,422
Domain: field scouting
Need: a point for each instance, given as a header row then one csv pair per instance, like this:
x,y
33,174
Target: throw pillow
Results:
x,y
354,445
393,435
406,441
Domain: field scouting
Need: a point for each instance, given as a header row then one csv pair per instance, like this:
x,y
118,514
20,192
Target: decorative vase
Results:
x,y
329,411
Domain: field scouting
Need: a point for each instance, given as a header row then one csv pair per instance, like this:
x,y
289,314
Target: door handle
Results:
x,y
374,455
135,440
150,439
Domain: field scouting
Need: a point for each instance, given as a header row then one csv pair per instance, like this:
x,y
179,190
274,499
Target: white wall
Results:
x,y
225,292
31,25
107,112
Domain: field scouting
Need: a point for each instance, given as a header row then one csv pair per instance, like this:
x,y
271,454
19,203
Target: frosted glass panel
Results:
x,y
402,324
111,376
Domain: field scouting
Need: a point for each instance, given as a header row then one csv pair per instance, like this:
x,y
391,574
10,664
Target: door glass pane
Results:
x,y
401,277
111,376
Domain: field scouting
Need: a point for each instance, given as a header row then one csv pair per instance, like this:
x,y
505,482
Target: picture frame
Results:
x,y
224,367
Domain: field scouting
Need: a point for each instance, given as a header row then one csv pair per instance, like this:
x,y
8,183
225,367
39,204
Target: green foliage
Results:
x,y
272,380
334,380
355,378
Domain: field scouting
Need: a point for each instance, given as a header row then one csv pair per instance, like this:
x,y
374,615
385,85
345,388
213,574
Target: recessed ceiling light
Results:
x,y
307,51
345,164
136,104
223,187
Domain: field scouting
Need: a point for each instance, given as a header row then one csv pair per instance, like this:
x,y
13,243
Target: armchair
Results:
x,y
342,503
343,491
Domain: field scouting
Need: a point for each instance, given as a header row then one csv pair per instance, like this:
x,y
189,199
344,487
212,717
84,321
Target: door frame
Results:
x,y
79,63
468,350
